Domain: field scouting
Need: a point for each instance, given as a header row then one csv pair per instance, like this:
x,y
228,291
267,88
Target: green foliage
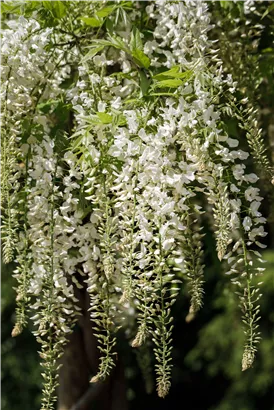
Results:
x,y
217,348
10,8
20,360
57,8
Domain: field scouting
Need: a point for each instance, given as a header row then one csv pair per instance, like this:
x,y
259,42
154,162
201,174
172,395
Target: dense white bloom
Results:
x,y
254,206
252,235
252,178
249,6
247,223
119,213
251,194
238,171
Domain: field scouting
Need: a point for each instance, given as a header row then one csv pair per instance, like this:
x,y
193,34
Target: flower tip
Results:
x,y
16,330
220,255
139,338
248,360
161,394
189,317
95,379
163,389
136,343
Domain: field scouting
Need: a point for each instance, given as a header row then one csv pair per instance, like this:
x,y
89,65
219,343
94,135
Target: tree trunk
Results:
x,y
79,363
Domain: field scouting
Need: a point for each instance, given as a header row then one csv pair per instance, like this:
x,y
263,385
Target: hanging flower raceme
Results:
x,y
29,77
115,204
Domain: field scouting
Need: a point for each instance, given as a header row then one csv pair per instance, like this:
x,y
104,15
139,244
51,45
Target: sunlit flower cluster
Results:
x,y
119,211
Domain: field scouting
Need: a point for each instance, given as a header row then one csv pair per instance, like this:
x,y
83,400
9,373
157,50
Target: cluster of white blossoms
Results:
x,y
47,274
120,212
29,77
249,6
63,253
159,158
17,77
24,68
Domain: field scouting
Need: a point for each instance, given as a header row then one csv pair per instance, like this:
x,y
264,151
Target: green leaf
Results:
x,y
104,117
109,26
34,4
268,10
127,4
132,101
144,83
135,40
141,59
91,21
105,12
117,42
101,43
57,8
226,4
47,4
174,83
46,106
92,53
13,8
30,6
121,121
268,50
174,72
161,94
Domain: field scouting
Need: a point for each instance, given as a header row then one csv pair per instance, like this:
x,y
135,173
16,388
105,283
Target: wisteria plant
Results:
x,y
114,155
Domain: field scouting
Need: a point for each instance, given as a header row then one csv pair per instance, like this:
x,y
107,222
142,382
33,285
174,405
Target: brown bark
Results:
x,y
74,373
80,362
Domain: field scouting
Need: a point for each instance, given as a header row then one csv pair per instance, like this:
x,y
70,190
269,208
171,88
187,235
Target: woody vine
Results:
x,y
116,199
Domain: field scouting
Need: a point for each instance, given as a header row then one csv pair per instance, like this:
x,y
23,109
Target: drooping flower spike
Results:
x,y
115,204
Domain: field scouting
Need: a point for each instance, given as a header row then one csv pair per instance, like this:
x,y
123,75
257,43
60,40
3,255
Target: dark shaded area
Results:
x,y
20,373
